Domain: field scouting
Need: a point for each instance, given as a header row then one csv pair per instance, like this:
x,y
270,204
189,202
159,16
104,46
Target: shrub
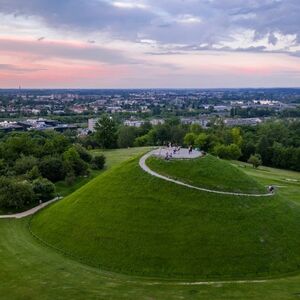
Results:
x,y
43,189
15,194
24,164
83,153
255,160
98,162
52,168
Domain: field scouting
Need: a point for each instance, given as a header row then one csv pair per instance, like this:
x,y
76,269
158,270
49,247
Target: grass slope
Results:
x,y
129,222
207,172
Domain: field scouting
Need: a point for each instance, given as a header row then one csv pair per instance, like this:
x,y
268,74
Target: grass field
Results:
x,y
207,172
129,222
30,270
113,157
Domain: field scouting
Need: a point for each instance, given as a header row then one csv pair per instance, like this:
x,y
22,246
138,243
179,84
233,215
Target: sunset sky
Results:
x,y
149,43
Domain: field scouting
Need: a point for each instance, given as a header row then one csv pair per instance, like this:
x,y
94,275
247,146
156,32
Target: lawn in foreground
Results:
x,y
132,223
32,271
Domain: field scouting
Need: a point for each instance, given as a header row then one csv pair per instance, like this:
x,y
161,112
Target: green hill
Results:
x,y
130,222
207,172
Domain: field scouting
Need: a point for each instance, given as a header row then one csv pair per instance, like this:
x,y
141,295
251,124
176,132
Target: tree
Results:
x,y
255,160
201,141
196,129
98,162
126,136
24,164
106,132
190,139
73,163
83,153
43,189
232,151
236,136
15,194
52,168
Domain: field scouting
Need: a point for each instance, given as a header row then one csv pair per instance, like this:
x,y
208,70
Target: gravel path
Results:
x,y
184,155
30,211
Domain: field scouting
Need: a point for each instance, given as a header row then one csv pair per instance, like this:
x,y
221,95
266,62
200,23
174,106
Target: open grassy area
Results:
x,y
32,271
130,222
113,157
207,172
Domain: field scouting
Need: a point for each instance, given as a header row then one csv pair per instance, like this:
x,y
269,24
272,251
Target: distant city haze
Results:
x,y
149,43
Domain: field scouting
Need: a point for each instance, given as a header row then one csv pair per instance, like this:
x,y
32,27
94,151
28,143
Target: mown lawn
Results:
x,y
129,222
113,157
207,172
32,271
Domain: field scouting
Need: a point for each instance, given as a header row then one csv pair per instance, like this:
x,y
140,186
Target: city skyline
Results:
x,y
149,44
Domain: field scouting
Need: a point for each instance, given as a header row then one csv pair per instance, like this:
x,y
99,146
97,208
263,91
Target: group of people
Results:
x,y
172,150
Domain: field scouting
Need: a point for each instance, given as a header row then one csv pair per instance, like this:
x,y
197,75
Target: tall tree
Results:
x,y
106,132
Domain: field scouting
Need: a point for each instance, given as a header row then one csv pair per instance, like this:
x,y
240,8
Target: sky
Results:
x,y
149,43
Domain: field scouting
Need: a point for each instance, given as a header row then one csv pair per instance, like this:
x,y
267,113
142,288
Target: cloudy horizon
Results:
x,y
149,44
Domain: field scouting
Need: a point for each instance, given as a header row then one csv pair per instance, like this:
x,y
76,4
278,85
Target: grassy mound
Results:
x,y
207,172
130,222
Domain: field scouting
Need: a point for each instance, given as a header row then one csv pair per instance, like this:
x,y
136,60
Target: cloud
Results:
x,y
14,68
188,22
65,50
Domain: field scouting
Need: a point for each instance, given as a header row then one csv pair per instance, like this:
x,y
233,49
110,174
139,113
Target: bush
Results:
x,y
15,194
52,168
73,163
98,162
24,164
228,152
255,160
43,189
83,153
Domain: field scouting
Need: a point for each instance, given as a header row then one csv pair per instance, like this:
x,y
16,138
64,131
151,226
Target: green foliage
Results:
x,y
52,168
126,136
255,160
25,164
201,141
73,163
236,136
190,139
43,189
15,194
232,152
98,162
83,153
106,132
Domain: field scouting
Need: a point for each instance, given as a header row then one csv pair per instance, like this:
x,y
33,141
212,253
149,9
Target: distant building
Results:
x,y
133,123
92,124
156,122
203,121
242,122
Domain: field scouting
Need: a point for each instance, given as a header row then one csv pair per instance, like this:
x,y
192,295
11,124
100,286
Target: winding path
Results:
x,y
144,166
30,211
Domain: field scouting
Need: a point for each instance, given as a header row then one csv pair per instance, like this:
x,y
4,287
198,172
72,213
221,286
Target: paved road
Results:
x,y
144,166
30,211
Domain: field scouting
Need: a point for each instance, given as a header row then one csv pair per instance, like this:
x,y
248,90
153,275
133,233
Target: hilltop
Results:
x,y
130,222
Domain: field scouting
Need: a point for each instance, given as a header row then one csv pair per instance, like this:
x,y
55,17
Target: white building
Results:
x,y
156,122
133,123
91,124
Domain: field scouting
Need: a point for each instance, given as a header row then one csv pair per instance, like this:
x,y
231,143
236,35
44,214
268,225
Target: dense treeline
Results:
x,y
31,162
275,143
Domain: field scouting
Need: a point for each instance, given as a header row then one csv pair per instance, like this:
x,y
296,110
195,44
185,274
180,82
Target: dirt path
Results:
x,y
30,211
184,155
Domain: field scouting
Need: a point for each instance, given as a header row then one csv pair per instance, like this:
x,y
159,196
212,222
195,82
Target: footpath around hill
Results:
x,y
185,154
